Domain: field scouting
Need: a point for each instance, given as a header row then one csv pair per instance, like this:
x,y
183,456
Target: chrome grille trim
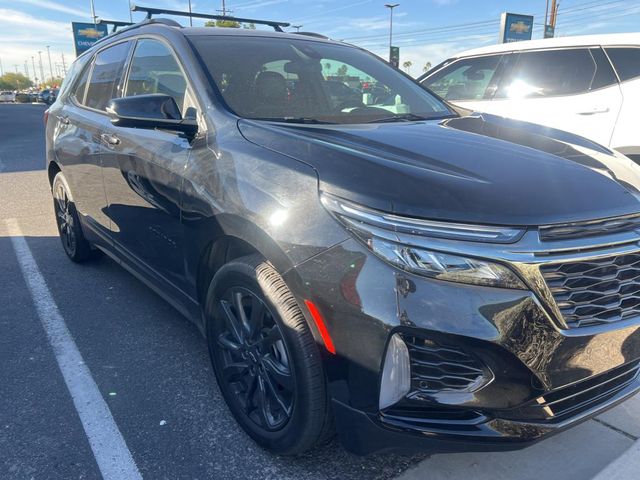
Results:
x,y
592,228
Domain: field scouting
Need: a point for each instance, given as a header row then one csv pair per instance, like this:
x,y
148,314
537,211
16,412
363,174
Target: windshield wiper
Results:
x,y
306,120
400,117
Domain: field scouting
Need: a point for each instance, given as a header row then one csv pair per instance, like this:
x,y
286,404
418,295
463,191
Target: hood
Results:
x,y
477,169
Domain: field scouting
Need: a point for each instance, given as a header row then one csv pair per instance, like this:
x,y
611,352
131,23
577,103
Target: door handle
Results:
x,y
63,119
594,110
110,139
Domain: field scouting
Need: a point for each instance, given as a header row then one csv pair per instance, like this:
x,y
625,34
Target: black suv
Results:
x,y
414,277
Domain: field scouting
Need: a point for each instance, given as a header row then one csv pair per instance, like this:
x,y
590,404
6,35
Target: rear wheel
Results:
x,y
74,243
265,359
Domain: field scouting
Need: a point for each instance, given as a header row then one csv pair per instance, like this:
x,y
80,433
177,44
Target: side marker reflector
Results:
x,y
322,328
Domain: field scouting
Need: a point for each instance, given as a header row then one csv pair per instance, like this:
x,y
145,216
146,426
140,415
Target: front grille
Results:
x,y
588,229
595,292
437,368
572,400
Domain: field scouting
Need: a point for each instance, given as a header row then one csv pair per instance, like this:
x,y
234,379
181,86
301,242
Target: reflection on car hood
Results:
x,y
477,168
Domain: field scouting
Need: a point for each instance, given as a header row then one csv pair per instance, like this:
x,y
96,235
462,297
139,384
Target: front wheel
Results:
x,y
265,358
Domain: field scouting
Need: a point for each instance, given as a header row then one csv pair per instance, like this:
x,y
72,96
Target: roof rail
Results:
x,y
312,34
115,23
277,26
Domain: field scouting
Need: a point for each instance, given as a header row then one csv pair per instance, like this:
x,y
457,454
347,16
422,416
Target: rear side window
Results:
x,y
105,76
154,69
81,85
466,79
626,60
550,73
605,76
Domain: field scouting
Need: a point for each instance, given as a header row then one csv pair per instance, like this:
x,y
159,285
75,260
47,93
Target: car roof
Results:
x,y
576,41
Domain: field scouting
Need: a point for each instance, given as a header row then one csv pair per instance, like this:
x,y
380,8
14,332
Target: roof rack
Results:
x,y
277,26
115,23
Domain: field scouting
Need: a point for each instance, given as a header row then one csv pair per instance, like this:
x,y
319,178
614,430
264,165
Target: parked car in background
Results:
x,y
48,95
416,277
589,85
7,96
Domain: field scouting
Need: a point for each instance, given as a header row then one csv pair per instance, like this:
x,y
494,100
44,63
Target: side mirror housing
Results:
x,y
155,111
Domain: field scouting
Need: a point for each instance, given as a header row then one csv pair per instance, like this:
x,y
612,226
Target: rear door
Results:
x,y
469,82
626,136
571,89
143,170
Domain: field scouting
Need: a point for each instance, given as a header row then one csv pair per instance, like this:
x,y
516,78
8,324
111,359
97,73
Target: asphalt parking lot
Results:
x,y
151,368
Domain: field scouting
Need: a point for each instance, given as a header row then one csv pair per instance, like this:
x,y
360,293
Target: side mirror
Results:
x,y
155,111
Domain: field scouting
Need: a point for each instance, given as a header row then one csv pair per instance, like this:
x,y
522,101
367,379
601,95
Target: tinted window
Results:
x,y
466,79
155,70
626,60
81,84
293,80
106,74
550,73
605,75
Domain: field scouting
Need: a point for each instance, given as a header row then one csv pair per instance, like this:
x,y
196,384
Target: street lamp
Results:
x,y
40,63
49,55
391,6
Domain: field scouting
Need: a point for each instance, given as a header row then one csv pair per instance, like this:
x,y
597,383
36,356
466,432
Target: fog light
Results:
x,y
396,373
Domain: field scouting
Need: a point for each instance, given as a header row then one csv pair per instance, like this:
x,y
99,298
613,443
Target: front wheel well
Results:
x,y
216,254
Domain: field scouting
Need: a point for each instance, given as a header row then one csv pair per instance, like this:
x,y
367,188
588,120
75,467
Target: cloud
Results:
x,y
56,7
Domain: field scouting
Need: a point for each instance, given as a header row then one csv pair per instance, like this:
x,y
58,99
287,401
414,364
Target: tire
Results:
x,y
265,359
74,243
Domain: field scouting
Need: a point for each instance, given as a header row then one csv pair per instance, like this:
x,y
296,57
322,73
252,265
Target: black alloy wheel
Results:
x,y
254,359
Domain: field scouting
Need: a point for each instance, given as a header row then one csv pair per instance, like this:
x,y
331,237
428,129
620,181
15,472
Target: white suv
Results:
x,y
7,96
589,85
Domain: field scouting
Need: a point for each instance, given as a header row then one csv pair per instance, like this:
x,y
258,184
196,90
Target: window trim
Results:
x,y
93,63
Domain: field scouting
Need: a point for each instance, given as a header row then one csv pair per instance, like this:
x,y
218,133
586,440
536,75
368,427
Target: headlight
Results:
x,y
381,233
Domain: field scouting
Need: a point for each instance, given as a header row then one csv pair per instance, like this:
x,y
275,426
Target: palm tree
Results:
x,y
407,65
427,67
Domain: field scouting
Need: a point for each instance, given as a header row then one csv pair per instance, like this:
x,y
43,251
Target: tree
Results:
x,y
342,71
407,65
222,24
53,82
14,81
327,66
427,67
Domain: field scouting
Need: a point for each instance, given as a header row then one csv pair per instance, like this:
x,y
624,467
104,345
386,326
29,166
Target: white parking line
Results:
x,y
109,448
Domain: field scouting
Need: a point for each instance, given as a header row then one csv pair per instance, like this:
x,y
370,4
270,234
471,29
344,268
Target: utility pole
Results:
x,y
93,13
297,27
190,17
49,55
131,13
224,10
64,66
391,6
554,12
41,69
15,65
26,69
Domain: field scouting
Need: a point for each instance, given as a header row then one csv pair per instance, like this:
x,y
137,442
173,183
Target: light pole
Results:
x,y
131,13
40,63
64,66
297,27
35,74
49,55
190,17
391,6
93,13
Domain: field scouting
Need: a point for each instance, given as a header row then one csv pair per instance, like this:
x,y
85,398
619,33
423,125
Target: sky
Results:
x,y
425,30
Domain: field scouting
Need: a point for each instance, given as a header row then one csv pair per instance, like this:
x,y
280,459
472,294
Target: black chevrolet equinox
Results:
x,y
360,256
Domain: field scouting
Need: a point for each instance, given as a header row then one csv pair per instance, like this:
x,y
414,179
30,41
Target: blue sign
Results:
x,y
86,34
515,27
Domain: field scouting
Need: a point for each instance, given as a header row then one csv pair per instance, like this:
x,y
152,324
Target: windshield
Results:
x,y
311,82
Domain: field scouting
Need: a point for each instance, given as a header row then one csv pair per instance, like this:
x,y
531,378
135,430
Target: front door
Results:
x,y
143,171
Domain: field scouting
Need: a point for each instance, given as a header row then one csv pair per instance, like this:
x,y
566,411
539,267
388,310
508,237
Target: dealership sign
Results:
x,y
515,27
86,34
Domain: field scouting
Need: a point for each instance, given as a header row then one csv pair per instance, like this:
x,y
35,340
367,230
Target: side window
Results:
x,y
154,69
106,74
466,79
550,73
626,60
81,85
605,76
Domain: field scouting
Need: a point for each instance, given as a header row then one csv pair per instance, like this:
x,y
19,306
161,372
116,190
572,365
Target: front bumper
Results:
x,y
543,378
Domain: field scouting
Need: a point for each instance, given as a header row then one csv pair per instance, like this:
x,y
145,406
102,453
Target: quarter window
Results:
x,y
550,73
154,69
466,79
81,85
106,75
626,60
